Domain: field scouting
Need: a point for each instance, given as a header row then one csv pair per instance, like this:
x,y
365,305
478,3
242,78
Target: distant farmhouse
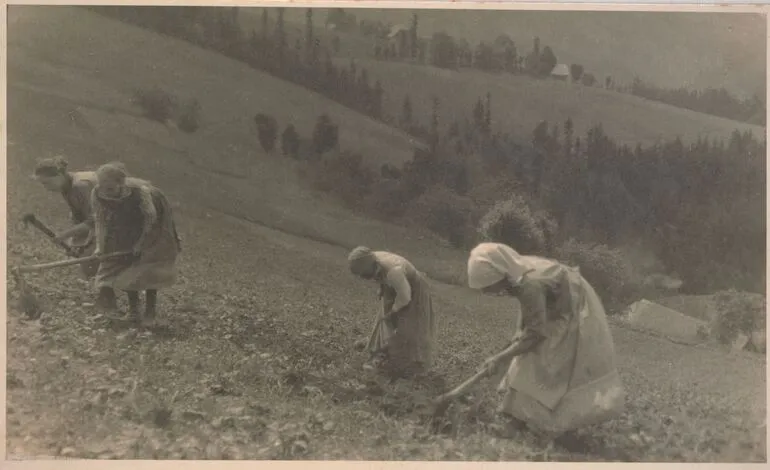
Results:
x,y
399,41
561,72
398,44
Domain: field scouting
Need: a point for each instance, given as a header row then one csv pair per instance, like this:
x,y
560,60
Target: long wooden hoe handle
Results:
x,y
31,219
463,387
69,262
442,402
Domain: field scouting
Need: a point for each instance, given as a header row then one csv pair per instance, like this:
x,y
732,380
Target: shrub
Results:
x,y
737,313
550,230
512,222
606,269
157,104
290,142
445,213
388,199
325,135
486,193
588,79
189,118
267,131
343,175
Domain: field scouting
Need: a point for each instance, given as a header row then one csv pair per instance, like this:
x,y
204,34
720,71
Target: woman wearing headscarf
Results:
x,y
405,330
561,364
75,188
132,215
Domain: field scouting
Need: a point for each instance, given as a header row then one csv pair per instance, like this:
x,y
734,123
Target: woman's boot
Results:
x,y
151,300
133,306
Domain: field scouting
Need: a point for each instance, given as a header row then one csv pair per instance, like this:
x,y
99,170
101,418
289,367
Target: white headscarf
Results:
x,y
490,263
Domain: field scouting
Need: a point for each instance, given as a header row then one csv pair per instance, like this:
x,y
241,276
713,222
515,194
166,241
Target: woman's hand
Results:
x,y
137,251
98,251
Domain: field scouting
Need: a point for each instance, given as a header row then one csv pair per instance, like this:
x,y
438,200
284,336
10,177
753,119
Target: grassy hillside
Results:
x,y
255,359
671,49
94,85
520,102
227,111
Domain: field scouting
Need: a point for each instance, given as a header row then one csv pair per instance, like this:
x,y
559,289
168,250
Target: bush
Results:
x,y
189,119
737,313
325,135
343,175
606,269
588,79
290,142
157,104
550,230
489,192
512,222
446,214
388,199
267,130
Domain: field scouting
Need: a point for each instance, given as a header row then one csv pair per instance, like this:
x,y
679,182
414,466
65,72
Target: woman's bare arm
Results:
x,y
80,229
396,278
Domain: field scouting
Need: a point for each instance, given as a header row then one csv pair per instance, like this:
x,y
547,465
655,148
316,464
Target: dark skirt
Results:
x,y
156,267
410,340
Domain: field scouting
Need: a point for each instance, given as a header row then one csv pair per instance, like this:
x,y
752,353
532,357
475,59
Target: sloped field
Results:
x,y
255,358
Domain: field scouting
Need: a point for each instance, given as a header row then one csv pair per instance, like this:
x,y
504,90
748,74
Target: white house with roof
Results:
x,y
561,72
399,40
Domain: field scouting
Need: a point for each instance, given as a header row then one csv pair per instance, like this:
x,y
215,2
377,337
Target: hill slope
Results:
x,y
255,360
225,110
671,49
520,103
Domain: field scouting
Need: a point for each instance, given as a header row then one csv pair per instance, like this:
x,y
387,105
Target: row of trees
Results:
x,y
501,55
445,51
324,139
714,101
699,207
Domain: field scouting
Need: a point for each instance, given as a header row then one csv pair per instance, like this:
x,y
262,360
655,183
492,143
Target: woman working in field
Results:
x,y
405,331
131,215
75,188
561,370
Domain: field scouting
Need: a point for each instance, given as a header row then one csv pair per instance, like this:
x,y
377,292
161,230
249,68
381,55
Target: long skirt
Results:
x,y
590,394
410,343
156,267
